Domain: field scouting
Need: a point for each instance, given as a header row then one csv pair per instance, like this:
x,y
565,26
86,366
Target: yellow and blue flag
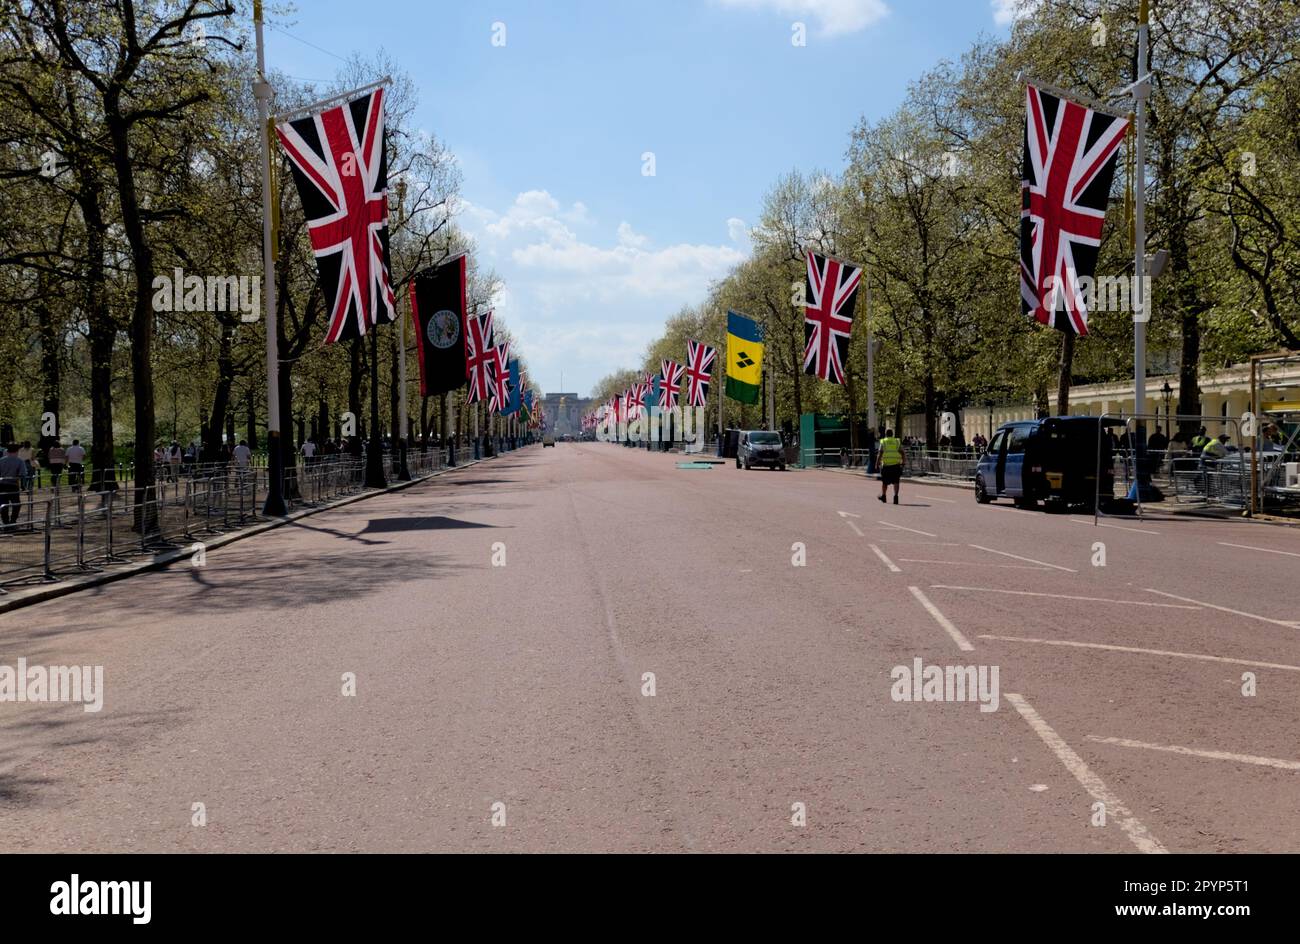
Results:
x,y
745,339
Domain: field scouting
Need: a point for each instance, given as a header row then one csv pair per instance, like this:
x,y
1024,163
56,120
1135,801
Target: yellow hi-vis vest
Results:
x,y
891,451
1214,450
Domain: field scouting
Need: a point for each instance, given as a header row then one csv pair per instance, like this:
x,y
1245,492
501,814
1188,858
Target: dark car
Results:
x,y
760,447
1053,460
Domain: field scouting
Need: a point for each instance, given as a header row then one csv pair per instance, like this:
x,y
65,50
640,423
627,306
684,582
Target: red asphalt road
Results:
x,y
522,685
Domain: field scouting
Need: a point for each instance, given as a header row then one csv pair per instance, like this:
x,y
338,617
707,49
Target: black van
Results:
x,y
1052,460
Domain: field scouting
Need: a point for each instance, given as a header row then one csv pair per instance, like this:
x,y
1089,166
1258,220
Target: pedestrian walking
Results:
x,y
241,455
12,470
29,466
76,457
56,457
891,464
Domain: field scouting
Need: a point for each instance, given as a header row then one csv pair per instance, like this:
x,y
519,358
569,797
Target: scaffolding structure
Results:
x,y
1275,438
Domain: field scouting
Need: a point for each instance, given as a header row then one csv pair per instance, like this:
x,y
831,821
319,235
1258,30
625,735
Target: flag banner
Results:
x,y
500,376
638,398
671,383
479,356
830,294
744,357
341,168
655,391
513,404
438,312
699,369
1069,164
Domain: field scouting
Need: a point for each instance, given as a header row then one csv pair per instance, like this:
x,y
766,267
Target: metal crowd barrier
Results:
x,y
65,530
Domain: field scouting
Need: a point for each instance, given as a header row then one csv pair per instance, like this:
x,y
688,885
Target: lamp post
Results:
x,y
1168,391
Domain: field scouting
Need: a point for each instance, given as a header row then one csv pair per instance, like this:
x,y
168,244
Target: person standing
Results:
x,y
29,468
55,458
12,470
76,468
891,464
242,456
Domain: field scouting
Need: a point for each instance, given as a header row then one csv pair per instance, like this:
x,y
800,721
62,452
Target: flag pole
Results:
x,y
262,91
871,367
403,424
1140,311
403,471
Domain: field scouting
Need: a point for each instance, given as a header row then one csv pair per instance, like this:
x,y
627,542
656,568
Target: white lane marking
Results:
x,y
1149,652
856,529
917,543
1115,807
893,568
910,560
900,527
1266,550
1063,596
962,642
1197,752
1120,527
1225,609
946,501
848,514
980,547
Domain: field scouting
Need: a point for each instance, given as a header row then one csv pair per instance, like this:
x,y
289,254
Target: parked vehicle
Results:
x,y
1052,460
548,440
760,447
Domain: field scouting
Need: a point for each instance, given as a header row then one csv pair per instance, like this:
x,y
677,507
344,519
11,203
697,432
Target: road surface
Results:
x,y
508,708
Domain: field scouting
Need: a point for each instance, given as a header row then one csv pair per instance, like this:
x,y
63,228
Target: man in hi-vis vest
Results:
x,y
890,462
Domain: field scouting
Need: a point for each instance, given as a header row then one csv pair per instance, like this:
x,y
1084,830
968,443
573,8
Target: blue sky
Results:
x,y
550,128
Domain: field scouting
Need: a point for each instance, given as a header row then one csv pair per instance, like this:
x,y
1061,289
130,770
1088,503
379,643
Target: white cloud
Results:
x,y
738,230
584,305
1006,12
833,17
629,237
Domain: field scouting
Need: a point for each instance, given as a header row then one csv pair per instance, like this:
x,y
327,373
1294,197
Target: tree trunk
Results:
x,y
221,395
51,360
250,407
142,317
1063,382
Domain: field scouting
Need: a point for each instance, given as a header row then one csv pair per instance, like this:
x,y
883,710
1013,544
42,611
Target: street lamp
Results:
x,y
1168,391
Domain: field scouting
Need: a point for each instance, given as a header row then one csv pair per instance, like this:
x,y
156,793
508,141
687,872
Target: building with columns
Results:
x,y
1224,392
564,412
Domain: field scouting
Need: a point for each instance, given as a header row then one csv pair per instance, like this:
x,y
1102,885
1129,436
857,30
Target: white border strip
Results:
x,y
1131,825
1196,752
1146,652
962,642
893,568
1030,560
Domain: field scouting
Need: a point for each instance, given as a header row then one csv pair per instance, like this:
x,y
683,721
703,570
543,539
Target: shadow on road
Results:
x,y
427,523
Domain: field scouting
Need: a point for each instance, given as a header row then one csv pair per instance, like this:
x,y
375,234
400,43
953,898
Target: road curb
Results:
x,y
16,599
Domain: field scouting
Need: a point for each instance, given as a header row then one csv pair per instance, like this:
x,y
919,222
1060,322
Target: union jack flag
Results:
x,y
341,168
670,384
832,290
637,404
1070,156
480,356
699,368
499,370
